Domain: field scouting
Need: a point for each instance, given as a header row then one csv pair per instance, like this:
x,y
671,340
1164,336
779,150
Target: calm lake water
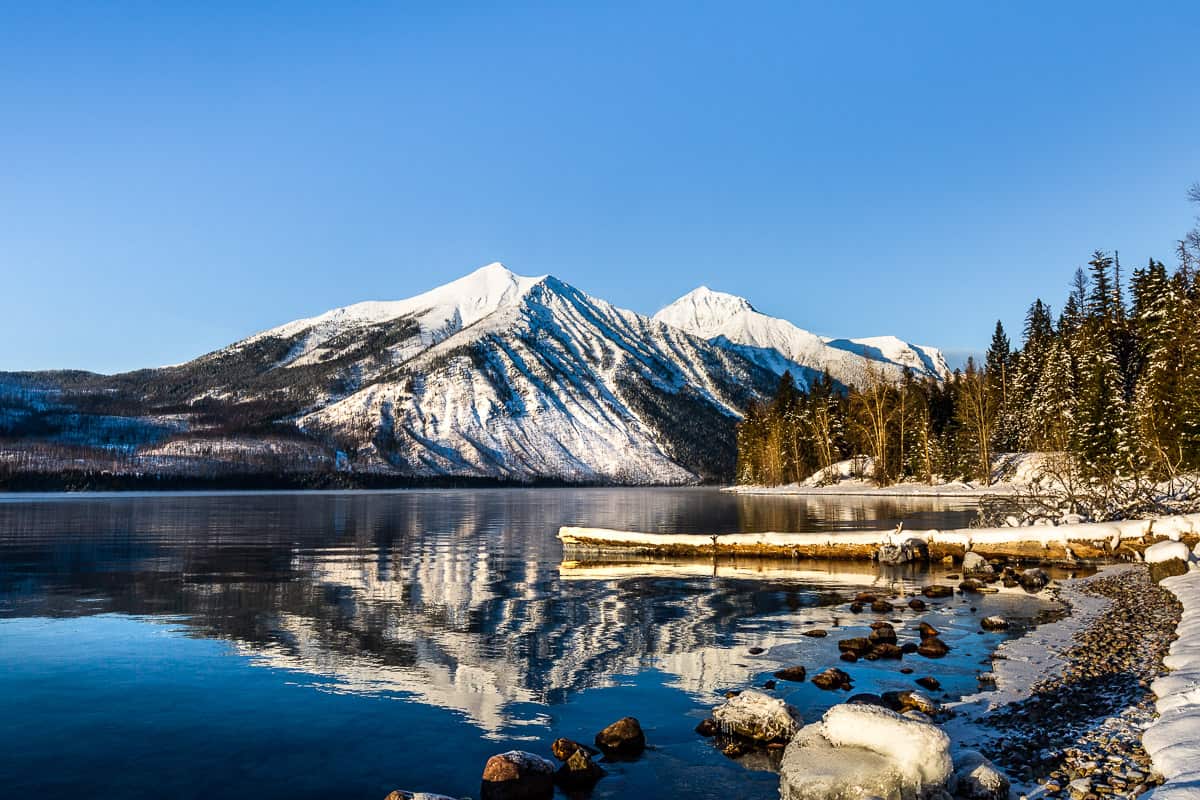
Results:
x,y
341,645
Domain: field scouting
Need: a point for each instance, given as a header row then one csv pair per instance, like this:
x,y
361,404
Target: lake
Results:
x,y
341,645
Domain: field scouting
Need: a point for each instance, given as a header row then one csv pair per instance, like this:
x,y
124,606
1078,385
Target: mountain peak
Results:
x,y
703,309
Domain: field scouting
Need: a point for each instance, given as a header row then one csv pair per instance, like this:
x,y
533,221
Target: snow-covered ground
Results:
x,y
1173,740
1011,473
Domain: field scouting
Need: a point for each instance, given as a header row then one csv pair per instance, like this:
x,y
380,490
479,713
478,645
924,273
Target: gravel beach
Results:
x,y
1078,734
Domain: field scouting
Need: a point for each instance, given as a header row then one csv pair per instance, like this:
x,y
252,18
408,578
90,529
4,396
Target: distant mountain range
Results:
x,y
492,376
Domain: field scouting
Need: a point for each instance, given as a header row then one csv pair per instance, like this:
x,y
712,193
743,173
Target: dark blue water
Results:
x,y
342,645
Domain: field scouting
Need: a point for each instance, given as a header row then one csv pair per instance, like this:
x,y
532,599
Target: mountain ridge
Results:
x,y
491,376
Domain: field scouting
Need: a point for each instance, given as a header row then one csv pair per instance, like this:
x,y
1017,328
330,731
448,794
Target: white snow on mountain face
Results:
x,y
560,384
440,312
779,345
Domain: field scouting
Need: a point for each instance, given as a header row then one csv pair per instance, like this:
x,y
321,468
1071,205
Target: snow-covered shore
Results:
x,y
1173,740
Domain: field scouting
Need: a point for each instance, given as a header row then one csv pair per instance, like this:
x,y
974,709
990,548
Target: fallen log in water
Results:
x,y
1062,543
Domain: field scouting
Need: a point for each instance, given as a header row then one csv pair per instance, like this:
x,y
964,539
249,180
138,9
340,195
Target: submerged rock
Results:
x,y
861,751
757,716
517,775
623,739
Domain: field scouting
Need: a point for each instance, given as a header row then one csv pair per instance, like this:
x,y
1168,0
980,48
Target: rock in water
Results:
x,y
883,632
1033,580
975,563
517,775
817,633
579,773
623,739
993,623
404,794
929,682
916,604
860,646
927,630
562,749
936,590
832,678
795,674
757,716
933,647
861,751
707,728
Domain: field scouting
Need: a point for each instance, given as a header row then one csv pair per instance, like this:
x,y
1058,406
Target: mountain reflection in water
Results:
x,y
450,599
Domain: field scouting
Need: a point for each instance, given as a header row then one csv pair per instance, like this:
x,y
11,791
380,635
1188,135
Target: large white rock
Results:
x,y
758,716
858,751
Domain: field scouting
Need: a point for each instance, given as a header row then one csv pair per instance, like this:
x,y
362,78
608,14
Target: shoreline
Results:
x,y
1073,696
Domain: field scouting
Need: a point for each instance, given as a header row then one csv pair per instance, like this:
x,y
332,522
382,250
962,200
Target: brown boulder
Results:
x,y
936,590
882,607
917,604
929,682
797,674
884,650
832,678
927,630
817,633
623,739
517,775
859,646
707,727
883,632
933,647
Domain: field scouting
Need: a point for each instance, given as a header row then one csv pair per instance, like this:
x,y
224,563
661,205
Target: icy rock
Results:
x,y
909,550
973,562
404,794
977,778
993,623
862,751
757,716
517,775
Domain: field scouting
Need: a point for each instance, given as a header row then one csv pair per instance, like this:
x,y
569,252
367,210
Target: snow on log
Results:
x,y
1049,542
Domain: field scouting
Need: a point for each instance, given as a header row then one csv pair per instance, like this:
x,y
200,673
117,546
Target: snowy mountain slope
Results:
x,y
439,313
558,385
776,344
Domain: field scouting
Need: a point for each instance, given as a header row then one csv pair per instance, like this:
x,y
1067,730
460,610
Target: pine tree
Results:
x,y
1099,435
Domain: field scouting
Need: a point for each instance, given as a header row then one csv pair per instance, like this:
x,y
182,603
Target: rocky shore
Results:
x,y
1078,734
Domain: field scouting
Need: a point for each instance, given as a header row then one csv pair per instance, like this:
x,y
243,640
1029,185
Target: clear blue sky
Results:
x,y
174,176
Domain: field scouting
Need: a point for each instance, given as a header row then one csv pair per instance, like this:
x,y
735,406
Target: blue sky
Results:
x,y
174,176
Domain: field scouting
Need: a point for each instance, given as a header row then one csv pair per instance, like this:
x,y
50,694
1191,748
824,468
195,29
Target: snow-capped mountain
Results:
x,y
493,375
776,344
